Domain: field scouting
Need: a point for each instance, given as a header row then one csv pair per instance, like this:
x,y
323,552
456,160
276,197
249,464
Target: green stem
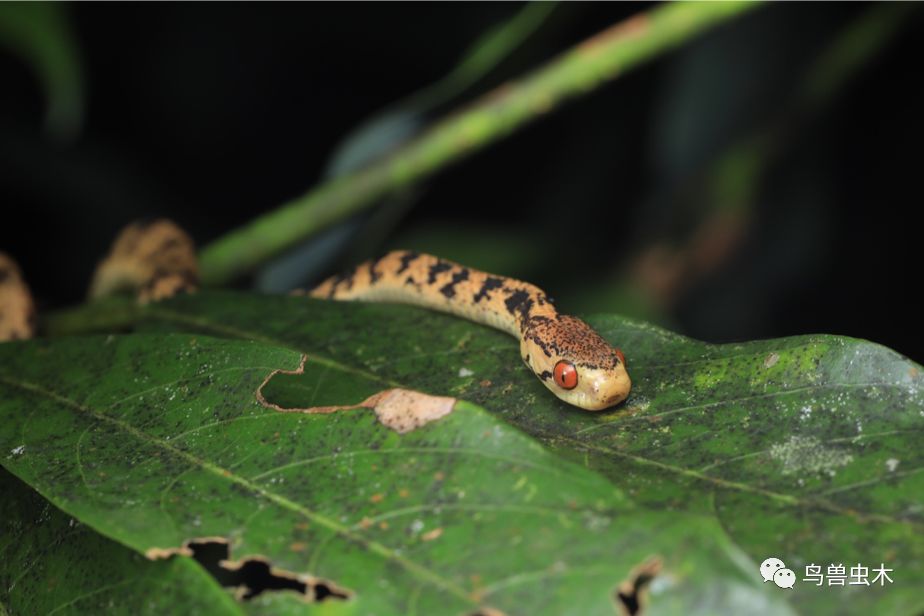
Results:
x,y
574,73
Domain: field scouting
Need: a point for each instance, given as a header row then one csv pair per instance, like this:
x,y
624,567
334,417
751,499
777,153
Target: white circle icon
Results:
x,y
784,578
769,567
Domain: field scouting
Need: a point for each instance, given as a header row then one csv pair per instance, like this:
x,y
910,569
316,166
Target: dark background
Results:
x,y
211,114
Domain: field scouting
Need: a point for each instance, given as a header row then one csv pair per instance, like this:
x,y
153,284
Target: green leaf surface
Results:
x,y
52,564
804,448
154,440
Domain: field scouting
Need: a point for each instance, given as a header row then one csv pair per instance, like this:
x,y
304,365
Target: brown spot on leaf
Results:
x,y
417,408
298,546
431,535
376,498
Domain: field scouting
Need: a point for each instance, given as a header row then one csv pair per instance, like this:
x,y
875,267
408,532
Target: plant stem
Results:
x,y
577,72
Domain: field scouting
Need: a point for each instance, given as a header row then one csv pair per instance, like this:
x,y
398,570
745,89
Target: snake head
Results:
x,y
575,362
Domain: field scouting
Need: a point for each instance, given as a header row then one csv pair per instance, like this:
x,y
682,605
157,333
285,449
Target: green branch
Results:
x,y
575,73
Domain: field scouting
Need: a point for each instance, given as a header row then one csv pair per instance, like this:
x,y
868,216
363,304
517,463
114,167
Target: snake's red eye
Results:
x,y
565,375
622,358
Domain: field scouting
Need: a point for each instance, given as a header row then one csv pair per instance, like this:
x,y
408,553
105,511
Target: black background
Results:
x,y
214,113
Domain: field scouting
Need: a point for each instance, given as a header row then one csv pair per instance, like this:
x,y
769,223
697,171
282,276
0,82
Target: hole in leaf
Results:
x,y
253,576
402,410
631,596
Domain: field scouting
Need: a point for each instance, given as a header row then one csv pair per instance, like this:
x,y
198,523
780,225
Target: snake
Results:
x,y
17,308
152,259
155,259
571,359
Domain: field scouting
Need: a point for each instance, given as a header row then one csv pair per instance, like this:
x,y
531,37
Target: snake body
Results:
x,y
152,259
564,352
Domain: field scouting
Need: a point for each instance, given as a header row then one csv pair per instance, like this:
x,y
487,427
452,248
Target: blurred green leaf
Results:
x,y
485,54
855,47
394,126
41,35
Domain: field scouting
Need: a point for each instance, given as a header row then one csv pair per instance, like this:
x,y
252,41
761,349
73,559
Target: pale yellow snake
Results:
x,y
567,355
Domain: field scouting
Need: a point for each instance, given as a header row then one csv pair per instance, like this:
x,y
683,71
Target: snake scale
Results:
x,y
564,352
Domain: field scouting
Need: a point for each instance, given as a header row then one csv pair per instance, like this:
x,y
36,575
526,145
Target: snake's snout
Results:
x,y
602,390
617,390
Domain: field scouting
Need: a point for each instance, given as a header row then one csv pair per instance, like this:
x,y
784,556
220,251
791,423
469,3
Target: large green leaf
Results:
x,y
154,440
52,564
801,449
804,448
